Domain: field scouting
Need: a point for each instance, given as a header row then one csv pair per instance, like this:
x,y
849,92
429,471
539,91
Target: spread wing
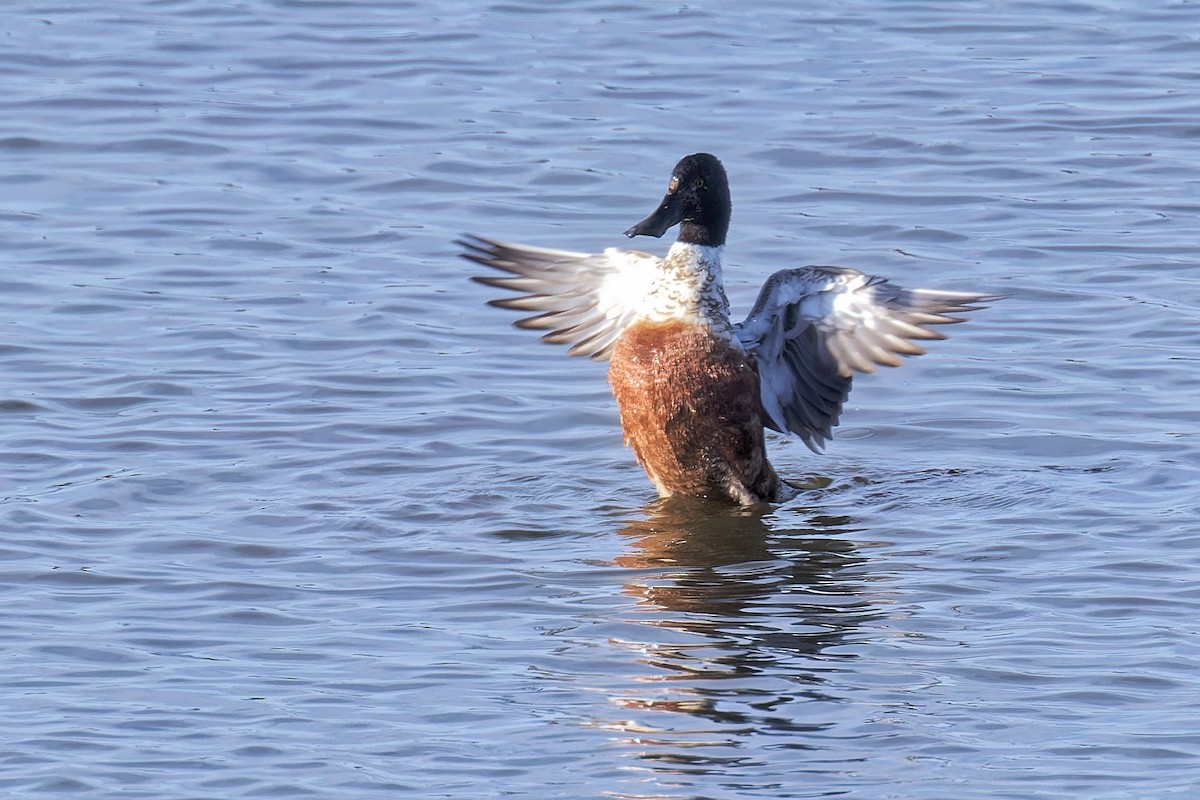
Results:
x,y
583,300
813,328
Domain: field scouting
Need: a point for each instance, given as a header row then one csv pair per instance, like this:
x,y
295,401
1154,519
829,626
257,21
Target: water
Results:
x,y
288,512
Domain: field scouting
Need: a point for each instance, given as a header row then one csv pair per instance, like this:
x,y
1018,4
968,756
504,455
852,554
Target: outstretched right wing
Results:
x,y
582,299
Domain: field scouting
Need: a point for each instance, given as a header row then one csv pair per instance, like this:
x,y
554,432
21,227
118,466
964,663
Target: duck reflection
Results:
x,y
748,622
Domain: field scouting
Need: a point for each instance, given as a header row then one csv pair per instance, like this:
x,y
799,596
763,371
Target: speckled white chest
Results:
x,y
690,286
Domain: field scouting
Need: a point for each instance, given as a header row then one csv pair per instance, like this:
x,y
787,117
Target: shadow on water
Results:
x,y
747,625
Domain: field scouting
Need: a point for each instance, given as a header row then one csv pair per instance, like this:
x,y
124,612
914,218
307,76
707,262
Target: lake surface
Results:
x,y
287,511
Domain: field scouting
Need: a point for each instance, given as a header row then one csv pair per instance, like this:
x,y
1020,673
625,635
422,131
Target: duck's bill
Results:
x,y
660,221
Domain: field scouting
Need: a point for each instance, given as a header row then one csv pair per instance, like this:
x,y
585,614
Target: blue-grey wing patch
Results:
x,y
812,328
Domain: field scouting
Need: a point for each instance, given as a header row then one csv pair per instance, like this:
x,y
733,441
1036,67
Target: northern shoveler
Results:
x,y
694,389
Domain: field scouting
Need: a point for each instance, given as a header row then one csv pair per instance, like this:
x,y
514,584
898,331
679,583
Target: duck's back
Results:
x,y
691,410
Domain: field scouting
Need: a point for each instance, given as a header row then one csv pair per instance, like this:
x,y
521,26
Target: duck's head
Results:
x,y
697,197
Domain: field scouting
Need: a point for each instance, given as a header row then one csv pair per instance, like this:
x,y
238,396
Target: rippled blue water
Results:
x,y
288,512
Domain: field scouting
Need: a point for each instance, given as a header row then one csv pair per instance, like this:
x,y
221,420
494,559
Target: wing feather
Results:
x,y
812,328
581,299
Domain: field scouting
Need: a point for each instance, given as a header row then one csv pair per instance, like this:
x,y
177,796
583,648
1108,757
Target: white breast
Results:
x,y
690,286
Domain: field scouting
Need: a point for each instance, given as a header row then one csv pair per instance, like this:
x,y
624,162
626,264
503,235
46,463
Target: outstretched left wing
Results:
x,y
812,328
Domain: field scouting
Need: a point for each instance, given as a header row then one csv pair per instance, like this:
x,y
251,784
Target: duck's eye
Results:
x,y
673,185
699,184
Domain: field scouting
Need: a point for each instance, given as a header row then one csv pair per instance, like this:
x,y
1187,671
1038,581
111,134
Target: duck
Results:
x,y
695,390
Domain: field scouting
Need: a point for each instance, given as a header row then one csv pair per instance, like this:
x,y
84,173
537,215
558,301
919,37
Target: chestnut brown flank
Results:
x,y
691,411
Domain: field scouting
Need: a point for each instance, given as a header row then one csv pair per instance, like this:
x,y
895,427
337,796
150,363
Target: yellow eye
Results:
x,y
699,183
